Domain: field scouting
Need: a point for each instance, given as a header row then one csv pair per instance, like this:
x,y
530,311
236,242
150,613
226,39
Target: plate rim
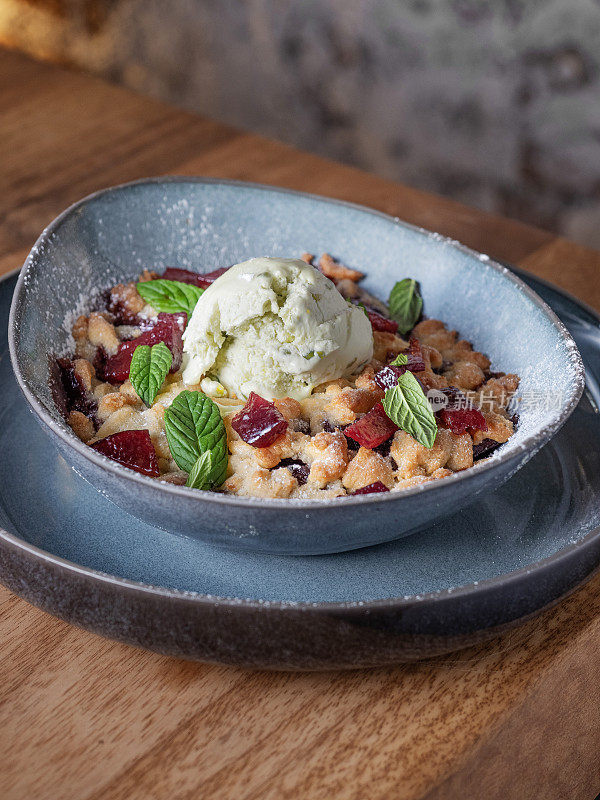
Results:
x,y
359,608
513,455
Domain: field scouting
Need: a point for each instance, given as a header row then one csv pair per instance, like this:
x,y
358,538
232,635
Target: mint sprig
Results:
x,y
407,406
170,296
200,476
405,304
400,361
148,370
194,426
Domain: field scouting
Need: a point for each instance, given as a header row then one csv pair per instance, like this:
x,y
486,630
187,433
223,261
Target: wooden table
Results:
x,y
89,719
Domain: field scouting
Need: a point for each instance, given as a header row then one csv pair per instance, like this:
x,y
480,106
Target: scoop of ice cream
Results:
x,y
277,327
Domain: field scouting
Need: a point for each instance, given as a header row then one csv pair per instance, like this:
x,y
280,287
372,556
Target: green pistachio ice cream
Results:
x,y
277,327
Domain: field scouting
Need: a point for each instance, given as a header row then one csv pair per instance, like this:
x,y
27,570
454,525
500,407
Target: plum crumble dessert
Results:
x,y
279,378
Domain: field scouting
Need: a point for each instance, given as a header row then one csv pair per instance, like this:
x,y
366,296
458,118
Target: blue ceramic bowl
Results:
x,y
111,235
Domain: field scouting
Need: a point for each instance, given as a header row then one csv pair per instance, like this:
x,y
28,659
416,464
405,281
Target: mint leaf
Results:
x,y
200,476
407,406
405,304
400,360
170,296
194,426
148,370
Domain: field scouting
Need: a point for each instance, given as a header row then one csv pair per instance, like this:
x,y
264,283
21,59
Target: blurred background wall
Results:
x,y
493,102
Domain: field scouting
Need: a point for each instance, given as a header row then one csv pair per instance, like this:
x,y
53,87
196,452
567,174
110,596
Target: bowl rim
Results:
x,y
529,445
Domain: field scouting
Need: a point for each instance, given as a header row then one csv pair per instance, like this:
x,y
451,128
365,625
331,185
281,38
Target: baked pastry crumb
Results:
x,y
312,458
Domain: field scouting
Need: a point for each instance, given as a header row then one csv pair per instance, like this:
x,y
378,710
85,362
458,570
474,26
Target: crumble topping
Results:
x,y
313,457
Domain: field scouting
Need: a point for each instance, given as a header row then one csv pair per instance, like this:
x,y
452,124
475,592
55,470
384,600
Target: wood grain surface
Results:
x,y
82,718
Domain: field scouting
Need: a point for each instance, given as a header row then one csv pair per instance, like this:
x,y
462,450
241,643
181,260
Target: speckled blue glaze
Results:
x,y
110,236
515,550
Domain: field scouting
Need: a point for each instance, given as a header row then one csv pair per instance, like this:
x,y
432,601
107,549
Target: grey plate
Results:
x,y
508,555
112,234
